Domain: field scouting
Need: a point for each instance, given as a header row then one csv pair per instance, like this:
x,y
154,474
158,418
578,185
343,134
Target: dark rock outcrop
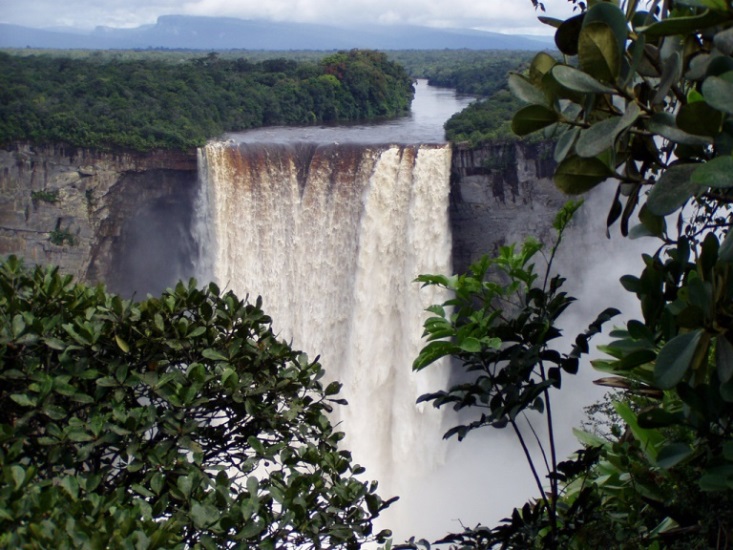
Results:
x,y
500,194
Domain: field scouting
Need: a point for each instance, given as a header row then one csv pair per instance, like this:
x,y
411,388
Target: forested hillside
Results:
x,y
148,104
479,73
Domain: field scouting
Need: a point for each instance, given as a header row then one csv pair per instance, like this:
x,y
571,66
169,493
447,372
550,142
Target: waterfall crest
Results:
x,y
333,236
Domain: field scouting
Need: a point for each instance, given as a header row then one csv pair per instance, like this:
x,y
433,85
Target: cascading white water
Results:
x,y
332,237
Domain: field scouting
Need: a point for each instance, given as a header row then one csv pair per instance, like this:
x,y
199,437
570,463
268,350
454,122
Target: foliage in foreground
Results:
x,y
643,99
148,104
501,326
176,422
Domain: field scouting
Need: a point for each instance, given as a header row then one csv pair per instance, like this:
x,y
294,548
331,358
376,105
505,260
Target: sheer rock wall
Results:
x,y
500,194
125,218
77,208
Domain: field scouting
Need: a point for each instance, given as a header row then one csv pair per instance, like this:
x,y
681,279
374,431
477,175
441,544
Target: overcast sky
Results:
x,y
510,16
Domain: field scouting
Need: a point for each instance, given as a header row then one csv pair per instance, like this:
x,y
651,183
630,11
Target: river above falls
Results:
x,y
430,109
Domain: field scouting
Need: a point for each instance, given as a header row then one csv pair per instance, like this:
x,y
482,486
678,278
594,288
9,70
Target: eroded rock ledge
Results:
x,y
76,207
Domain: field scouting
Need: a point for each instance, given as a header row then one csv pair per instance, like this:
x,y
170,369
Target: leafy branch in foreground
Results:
x,y
175,422
500,325
642,99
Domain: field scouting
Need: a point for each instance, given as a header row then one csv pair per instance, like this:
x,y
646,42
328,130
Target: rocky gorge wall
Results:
x,y
125,218
500,194
90,211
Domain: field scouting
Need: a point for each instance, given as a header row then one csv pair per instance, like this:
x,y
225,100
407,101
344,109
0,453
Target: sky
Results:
x,y
507,16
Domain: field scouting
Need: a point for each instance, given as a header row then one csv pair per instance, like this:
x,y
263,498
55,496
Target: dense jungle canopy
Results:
x,y
146,104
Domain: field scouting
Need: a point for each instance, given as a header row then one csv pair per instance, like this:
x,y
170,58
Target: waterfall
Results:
x,y
332,237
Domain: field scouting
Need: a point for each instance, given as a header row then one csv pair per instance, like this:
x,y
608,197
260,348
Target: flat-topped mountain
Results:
x,y
222,33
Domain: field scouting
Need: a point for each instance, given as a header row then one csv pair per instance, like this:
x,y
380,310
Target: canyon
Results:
x,y
125,218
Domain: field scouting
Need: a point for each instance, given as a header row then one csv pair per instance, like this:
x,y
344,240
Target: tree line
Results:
x,y
479,73
147,104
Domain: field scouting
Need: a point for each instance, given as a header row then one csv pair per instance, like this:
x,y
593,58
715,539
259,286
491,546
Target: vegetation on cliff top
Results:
x,y
146,104
488,118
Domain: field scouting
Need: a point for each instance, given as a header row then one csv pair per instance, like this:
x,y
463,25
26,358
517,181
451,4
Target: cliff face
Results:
x,y
126,219
500,194
87,212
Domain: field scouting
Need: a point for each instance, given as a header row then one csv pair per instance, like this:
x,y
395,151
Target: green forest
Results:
x,y
143,104
144,424
189,98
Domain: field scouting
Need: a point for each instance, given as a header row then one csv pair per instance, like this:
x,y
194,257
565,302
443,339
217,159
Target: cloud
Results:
x,y
495,15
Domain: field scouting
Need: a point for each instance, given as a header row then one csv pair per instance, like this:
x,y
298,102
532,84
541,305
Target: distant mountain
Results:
x,y
224,33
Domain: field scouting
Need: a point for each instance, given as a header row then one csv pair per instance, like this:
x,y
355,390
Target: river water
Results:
x,y
431,108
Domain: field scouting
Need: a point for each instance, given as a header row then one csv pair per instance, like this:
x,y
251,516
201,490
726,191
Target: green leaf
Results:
x,y
589,439
609,14
203,515
673,189
185,484
18,475
141,490
541,64
251,529
55,343
54,412
680,25
598,52
653,223
213,354
631,115
673,454
725,253
716,173
699,118
122,344
657,418
253,485
718,92
158,320
23,400
195,333
431,353
724,359
524,90
596,139
578,81
674,359
470,345
157,482
71,486
568,32
671,73
723,40
664,124
532,118
18,325
577,175
565,144
551,21
79,435
717,478
229,373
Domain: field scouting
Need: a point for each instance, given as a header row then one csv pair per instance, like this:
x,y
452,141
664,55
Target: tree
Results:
x,y
501,326
175,422
643,100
